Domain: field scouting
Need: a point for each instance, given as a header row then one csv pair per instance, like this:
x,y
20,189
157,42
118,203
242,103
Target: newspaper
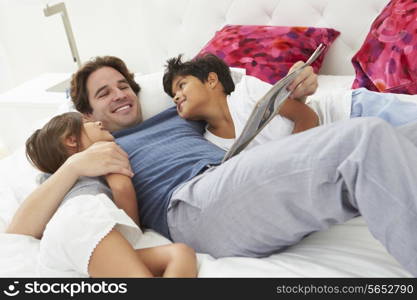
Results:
x,y
267,107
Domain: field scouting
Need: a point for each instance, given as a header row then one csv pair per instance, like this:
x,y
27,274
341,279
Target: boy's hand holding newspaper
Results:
x,y
300,82
305,84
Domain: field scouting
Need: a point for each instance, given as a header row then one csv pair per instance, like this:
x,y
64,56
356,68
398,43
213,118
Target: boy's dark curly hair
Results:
x,y
199,67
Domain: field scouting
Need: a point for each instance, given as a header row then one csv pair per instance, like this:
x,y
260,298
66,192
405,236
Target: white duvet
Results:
x,y
346,250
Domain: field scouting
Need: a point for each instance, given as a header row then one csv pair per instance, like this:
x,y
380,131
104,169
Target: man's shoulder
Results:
x,y
157,119
164,123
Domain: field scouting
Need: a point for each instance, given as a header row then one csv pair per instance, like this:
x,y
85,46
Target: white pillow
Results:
x,y
4,151
152,97
17,180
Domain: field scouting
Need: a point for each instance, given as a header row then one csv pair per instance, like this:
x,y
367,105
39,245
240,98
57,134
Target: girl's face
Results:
x,y
94,132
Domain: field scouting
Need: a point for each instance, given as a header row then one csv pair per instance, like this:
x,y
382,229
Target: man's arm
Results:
x,y
38,208
124,195
301,114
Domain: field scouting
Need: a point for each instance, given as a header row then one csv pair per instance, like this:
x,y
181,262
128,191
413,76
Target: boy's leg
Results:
x,y
386,106
409,130
273,195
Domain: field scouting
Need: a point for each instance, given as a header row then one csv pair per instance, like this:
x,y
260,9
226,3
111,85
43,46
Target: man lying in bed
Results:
x,y
260,201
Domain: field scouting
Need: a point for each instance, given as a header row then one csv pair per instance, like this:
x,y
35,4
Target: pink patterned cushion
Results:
x,y
387,61
268,52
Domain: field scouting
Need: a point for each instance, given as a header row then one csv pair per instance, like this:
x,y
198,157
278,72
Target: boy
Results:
x,y
203,89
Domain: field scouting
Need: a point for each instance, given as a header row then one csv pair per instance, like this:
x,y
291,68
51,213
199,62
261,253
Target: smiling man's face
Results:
x,y
113,101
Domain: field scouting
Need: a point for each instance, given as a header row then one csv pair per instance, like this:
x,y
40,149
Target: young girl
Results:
x,y
203,89
89,234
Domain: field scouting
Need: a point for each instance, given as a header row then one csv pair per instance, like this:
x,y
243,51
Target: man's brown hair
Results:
x,y
79,92
46,149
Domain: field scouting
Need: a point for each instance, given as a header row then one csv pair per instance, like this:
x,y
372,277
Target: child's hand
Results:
x,y
305,84
99,159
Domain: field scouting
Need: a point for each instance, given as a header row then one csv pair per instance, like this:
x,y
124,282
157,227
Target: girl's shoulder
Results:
x,y
89,186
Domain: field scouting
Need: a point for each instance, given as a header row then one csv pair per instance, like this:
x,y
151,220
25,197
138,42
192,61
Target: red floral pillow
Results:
x,y
268,52
387,61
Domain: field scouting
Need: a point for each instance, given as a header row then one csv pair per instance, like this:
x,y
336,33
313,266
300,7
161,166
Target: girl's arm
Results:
x,y
301,114
38,208
124,195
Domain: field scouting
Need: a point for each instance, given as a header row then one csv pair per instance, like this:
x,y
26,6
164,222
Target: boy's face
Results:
x,y
191,97
113,101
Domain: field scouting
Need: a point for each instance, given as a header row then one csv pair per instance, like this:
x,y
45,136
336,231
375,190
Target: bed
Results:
x,y
145,34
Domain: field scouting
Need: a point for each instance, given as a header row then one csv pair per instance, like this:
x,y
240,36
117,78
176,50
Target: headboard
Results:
x,y
147,32
184,26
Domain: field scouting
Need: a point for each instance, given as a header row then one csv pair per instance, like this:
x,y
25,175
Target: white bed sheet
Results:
x,y
346,250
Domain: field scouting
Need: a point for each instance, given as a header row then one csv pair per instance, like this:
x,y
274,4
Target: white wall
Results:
x,y
5,71
145,33
22,40
32,44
